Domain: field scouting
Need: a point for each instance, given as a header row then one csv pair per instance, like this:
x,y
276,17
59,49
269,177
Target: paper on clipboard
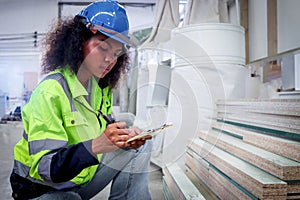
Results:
x,y
150,132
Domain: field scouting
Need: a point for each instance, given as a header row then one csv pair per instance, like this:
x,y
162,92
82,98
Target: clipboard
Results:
x,y
150,132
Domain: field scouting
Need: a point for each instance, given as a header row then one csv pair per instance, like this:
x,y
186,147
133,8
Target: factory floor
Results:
x,y
11,132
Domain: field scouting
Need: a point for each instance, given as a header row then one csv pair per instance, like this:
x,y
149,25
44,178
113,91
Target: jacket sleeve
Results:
x,y
70,161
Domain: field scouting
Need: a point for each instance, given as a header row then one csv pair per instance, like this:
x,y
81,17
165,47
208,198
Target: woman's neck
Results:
x,y
83,77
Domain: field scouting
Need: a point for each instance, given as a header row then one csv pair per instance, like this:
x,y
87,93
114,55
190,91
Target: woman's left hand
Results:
x,y
135,144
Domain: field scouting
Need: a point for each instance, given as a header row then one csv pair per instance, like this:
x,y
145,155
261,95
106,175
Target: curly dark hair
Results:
x,y
63,47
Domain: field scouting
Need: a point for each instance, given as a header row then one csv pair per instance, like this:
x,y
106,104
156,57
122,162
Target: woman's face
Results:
x,y
100,55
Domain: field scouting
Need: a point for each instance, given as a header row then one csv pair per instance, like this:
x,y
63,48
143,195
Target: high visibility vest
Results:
x,y
56,116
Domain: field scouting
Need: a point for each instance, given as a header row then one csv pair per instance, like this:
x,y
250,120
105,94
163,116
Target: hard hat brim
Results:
x,y
124,41
113,34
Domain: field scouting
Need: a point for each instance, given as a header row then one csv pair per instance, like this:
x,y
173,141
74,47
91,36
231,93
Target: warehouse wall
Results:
x,y
22,17
27,16
37,15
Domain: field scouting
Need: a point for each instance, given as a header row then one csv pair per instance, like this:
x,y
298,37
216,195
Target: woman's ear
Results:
x,y
82,39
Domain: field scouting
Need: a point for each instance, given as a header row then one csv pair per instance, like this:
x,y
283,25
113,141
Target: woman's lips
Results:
x,y
107,69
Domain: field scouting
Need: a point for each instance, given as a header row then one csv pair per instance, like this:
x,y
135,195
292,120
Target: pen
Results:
x,y
107,118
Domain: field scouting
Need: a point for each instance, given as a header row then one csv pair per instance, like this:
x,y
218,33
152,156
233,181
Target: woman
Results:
x,y
69,149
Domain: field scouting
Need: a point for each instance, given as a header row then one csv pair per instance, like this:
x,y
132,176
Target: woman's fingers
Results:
x,y
117,134
114,136
117,125
139,142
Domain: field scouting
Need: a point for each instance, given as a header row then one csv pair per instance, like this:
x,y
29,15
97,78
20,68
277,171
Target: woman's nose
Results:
x,y
109,57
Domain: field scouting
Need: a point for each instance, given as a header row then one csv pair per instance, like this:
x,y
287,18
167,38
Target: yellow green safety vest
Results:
x,y
56,116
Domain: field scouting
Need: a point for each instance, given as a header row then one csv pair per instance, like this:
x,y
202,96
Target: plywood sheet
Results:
x,y
180,185
253,179
201,186
287,124
288,148
220,185
281,167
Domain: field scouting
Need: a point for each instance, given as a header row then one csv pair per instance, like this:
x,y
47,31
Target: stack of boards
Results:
x,y
252,151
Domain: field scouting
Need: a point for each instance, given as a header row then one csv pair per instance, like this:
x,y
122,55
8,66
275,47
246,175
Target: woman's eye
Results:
x,y
103,48
118,54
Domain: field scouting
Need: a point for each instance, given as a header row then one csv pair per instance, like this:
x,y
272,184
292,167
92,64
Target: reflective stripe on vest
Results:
x,y
62,81
23,170
46,144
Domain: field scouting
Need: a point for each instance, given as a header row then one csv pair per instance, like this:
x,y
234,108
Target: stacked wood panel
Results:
x,y
176,185
252,151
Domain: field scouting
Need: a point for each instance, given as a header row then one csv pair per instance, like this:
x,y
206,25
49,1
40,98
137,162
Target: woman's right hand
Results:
x,y
114,137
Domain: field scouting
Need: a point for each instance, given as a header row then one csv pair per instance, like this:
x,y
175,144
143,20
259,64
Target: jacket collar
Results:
x,y
77,89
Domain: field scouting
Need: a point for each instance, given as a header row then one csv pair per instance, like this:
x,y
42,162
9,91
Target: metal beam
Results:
x,y
84,3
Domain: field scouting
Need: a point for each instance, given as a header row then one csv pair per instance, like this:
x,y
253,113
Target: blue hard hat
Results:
x,y
109,18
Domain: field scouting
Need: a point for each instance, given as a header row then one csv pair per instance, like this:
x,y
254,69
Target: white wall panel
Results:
x,y
288,24
258,46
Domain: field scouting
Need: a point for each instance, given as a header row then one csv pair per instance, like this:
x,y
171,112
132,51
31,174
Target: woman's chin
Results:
x,y
100,75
